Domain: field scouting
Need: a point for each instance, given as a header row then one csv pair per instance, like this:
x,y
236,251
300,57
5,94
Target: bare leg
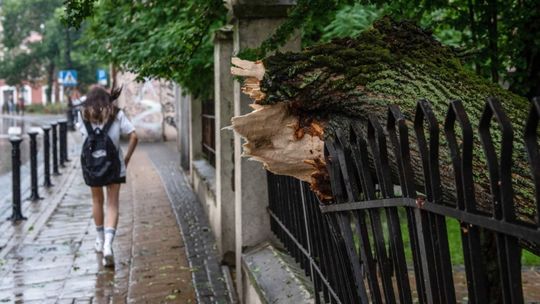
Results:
x,y
97,205
113,194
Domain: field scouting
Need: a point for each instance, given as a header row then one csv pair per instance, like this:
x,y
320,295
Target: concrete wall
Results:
x,y
214,186
224,103
195,134
255,21
204,185
167,98
183,124
249,295
150,106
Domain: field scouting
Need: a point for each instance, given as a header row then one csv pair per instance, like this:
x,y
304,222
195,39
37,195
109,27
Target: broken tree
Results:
x,y
302,99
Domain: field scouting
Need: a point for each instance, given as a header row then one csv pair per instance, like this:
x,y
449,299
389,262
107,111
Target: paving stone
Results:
x,y
58,263
198,238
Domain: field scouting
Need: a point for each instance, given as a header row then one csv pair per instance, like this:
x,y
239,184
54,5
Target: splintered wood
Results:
x,y
253,73
282,141
270,138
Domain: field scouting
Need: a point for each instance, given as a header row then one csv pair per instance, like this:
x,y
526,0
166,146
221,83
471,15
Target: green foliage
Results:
x,y
20,17
455,243
52,108
37,61
162,38
509,47
16,68
351,20
76,11
165,39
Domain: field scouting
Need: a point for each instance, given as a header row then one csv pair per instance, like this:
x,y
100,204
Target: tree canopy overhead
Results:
x,y
168,39
53,46
171,39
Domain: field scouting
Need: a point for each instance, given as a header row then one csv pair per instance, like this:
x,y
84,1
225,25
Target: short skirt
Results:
x,y
119,180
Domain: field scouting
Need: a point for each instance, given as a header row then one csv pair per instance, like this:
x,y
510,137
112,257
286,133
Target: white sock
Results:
x,y
109,236
100,233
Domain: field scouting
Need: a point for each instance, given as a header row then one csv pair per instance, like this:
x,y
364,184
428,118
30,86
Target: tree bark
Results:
x,y
327,87
493,34
67,51
50,82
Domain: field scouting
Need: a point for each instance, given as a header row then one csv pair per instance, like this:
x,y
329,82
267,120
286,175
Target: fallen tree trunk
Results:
x,y
312,95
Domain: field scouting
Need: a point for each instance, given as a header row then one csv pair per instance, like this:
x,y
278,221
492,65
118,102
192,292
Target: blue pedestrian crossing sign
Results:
x,y
67,78
102,77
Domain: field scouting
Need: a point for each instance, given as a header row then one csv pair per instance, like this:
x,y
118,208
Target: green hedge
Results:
x,y
54,108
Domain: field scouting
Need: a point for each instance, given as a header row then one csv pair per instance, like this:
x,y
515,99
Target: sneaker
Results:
x,y
108,256
99,245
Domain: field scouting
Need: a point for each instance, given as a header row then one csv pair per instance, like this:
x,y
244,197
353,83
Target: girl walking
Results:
x,y
103,162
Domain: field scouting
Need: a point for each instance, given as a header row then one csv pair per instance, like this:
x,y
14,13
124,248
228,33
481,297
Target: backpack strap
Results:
x,y
88,127
108,124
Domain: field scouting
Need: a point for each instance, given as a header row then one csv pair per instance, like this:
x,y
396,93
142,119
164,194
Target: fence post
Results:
x,y
34,196
47,156
16,179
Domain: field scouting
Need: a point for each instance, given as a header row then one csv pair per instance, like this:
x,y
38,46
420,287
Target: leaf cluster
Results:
x,y
166,39
34,61
171,39
500,37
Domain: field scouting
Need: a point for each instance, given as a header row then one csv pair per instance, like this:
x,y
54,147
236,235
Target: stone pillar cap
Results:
x,y
46,127
14,131
35,130
246,9
224,33
15,139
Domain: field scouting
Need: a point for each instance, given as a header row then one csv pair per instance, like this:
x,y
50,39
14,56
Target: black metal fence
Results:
x,y
208,119
381,241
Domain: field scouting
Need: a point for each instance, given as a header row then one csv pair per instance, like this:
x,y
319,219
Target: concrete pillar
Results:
x,y
178,117
184,127
254,21
224,98
195,133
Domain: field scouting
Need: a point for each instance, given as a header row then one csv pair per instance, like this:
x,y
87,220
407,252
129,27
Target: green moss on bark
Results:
x,y
349,80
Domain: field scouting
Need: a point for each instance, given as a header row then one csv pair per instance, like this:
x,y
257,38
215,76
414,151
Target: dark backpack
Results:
x,y
99,157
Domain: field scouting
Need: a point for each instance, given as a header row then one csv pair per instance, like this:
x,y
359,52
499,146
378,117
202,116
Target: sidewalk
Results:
x,y
50,258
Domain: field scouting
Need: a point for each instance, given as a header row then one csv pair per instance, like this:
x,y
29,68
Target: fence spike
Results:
x,y
530,137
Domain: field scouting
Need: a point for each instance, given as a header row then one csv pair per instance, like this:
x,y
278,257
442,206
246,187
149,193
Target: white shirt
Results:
x,y
120,126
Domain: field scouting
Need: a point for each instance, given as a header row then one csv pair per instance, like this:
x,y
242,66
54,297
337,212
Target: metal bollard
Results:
x,y
47,156
61,144
62,124
16,178
64,131
55,149
34,196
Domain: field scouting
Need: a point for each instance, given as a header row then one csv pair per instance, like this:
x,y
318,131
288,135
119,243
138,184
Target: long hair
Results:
x,y
99,104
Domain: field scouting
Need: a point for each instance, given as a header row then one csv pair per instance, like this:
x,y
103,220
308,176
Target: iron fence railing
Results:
x,y
381,241
208,121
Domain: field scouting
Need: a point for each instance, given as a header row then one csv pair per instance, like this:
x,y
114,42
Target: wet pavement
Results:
x,y
50,258
198,237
